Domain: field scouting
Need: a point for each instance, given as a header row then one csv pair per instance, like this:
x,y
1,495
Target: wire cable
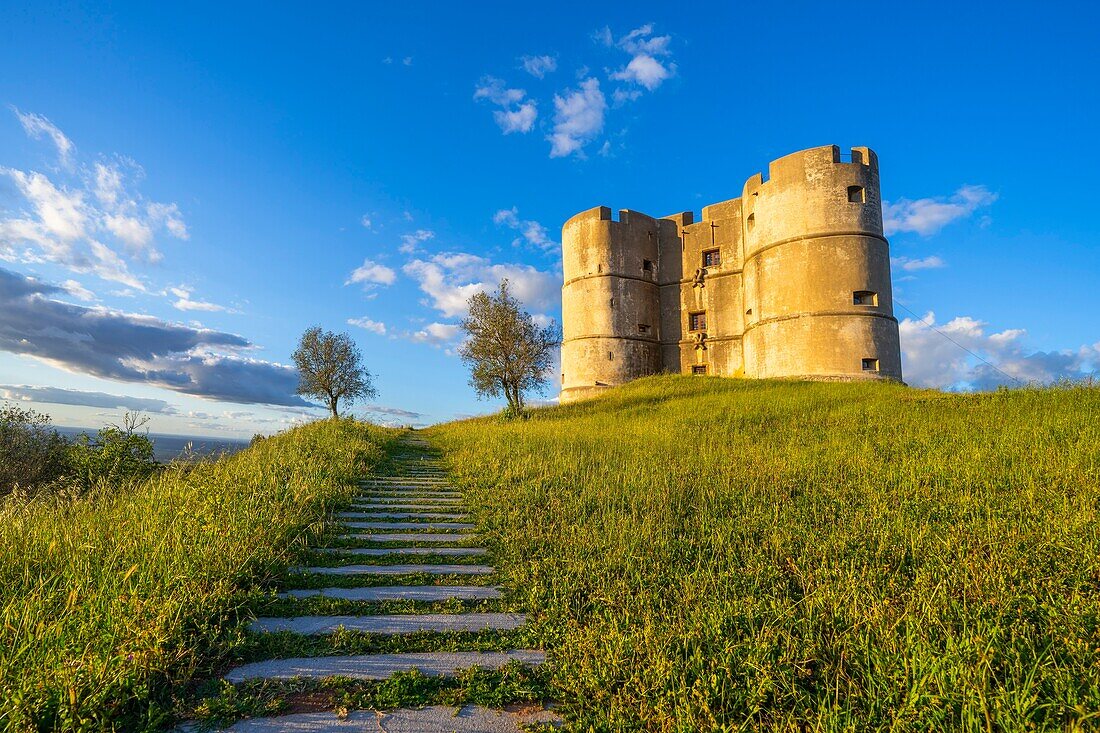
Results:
x,y
976,356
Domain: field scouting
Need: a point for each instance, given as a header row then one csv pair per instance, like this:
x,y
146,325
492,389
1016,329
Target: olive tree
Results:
x,y
507,352
330,369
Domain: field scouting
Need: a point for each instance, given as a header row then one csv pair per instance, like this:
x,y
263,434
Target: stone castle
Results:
x,y
792,279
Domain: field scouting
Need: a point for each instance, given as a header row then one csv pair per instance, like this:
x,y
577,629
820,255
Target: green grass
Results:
x,y
109,601
707,554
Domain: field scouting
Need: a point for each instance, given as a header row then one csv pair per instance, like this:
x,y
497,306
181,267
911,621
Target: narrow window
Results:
x,y
865,297
748,312
609,356
612,302
697,321
699,369
643,328
870,365
751,221
712,258
856,195
599,268
647,265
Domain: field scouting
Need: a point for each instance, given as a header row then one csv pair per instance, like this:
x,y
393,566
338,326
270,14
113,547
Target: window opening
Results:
x,y
647,265
751,221
712,258
697,321
865,297
870,365
856,195
643,328
699,369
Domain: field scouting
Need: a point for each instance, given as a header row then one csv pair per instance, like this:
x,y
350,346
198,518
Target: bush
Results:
x,y
32,453
116,455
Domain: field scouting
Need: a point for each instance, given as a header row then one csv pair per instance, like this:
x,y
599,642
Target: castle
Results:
x,y
792,279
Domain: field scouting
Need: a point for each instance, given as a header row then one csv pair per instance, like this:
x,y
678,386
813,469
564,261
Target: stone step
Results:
x,y
403,515
379,551
411,537
408,506
397,624
381,666
431,569
409,525
402,593
433,719
406,501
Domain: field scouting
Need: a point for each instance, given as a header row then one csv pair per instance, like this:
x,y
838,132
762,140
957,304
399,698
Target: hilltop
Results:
x,y
706,552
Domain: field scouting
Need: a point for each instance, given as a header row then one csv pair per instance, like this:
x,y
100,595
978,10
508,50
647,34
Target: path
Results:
x,y
412,523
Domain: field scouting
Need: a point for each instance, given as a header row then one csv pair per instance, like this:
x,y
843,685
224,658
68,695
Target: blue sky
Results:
x,y
190,187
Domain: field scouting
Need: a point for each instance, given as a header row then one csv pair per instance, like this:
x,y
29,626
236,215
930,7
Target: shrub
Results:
x,y
32,453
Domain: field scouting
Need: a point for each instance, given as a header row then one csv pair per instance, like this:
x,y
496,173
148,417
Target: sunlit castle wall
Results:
x,y
790,280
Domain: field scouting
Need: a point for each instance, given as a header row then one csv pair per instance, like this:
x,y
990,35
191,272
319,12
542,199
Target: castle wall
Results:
x,y
797,283
808,250
610,301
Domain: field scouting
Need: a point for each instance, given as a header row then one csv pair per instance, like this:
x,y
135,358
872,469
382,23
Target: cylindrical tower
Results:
x,y
610,304
818,300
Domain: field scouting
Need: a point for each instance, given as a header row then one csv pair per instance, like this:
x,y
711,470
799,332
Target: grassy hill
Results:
x,y
112,602
706,553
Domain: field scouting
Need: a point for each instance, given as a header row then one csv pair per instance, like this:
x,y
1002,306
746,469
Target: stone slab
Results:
x,y
405,503
401,570
390,497
382,666
412,537
409,525
396,624
380,551
401,593
402,515
433,719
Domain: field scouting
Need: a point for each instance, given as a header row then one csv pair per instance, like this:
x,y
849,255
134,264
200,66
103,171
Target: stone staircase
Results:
x,y
418,522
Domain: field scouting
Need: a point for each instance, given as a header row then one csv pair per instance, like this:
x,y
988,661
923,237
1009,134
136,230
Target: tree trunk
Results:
x,y
332,401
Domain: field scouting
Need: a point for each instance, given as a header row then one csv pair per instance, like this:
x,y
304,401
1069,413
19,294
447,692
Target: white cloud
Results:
x,y
407,61
930,359
516,113
134,233
368,324
83,220
450,278
929,215
532,232
578,118
366,222
539,66
410,242
184,301
36,126
372,273
437,334
75,289
62,213
910,264
645,68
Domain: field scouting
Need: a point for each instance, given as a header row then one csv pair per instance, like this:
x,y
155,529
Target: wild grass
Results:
x,y
707,554
111,600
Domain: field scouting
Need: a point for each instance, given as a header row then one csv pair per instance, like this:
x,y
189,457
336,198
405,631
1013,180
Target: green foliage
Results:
x,y
507,353
32,453
330,368
728,555
111,600
116,456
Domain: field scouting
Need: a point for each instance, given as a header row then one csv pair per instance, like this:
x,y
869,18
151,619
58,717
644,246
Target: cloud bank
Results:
x,y
130,347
